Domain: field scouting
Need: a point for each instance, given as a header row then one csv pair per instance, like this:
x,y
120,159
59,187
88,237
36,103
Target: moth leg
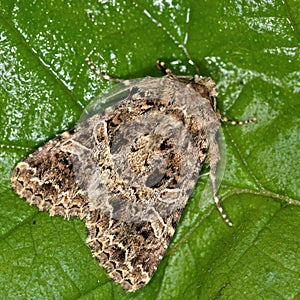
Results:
x,y
163,67
166,71
214,157
103,75
234,122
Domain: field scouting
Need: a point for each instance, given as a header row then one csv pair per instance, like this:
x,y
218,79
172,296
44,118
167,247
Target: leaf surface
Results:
x,y
251,49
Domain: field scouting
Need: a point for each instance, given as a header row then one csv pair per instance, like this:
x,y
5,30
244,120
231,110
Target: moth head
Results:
x,y
205,86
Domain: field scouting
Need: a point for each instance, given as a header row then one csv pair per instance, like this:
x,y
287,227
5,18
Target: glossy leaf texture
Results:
x,y
250,48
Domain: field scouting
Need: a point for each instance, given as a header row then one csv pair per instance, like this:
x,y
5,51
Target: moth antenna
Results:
x,y
221,210
235,122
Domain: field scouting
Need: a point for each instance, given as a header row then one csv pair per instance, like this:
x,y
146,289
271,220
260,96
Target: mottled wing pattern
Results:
x,y
129,171
130,253
46,179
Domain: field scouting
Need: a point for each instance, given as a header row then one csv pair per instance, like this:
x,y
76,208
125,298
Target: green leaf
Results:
x,y
250,48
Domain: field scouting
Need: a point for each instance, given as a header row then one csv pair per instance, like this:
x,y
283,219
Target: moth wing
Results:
x,y
129,170
46,179
130,253
130,232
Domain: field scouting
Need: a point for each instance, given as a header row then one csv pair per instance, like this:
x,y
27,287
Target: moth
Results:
x,y
129,169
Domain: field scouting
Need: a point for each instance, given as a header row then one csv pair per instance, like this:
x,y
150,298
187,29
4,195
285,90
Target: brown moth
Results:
x,y
129,170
